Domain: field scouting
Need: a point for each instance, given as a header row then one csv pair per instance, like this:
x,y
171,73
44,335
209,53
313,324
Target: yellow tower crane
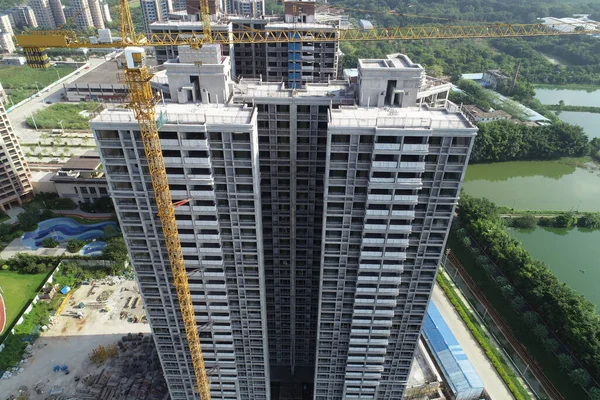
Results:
x,y
142,101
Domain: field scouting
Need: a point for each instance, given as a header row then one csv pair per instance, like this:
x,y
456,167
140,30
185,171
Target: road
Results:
x,y
20,114
491,380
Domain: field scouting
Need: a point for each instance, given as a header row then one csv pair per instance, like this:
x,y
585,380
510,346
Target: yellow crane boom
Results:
x,y
142,101
69,39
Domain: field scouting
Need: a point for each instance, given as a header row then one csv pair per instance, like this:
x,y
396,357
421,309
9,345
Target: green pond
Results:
x,y
572,97
571,254
590,122
535,185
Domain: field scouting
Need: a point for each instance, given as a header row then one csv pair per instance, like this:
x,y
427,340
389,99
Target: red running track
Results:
x,y
2,314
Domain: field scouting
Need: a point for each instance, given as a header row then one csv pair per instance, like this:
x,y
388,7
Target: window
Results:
x,y
92,190
103,190
84,190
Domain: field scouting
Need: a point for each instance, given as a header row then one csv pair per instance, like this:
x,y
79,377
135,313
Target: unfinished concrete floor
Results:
x,y
70,340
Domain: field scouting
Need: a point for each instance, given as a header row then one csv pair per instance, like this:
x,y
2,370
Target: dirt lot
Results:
x,y
70,340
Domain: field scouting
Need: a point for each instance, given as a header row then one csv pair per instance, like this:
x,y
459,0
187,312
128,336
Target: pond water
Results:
x,y
590,122
571,254
535,185
572,97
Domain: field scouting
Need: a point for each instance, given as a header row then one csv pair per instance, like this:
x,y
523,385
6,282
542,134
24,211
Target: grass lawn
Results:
x,y
51,117
20,81
547,361
18,289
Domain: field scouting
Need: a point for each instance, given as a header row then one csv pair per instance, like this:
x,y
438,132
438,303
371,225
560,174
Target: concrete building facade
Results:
x,y
23,16
6,24
7,44
155,11
96,14
313,230
80,9
105,9
57,12
15,185
43,13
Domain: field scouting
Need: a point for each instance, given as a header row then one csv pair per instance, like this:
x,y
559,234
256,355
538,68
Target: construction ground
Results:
x,y
59,364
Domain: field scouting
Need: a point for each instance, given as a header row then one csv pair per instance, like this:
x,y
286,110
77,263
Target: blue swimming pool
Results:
x,y
63,229
93,249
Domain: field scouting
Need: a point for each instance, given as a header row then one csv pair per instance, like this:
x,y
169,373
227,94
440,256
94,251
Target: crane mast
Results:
x,y
142,101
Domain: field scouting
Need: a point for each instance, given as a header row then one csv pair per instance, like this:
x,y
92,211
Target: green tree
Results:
x,y
594,393
524,222
567,220
566,361
579,377
589,220
115,250
74,245
50,243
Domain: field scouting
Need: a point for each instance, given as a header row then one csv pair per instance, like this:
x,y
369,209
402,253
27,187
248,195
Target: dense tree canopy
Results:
x,y
506,141
570,315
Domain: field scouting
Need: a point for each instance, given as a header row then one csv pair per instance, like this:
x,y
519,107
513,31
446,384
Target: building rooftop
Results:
x,y
256,89
81,163
104,74
478,112
397,60
450,356
194,114
410,117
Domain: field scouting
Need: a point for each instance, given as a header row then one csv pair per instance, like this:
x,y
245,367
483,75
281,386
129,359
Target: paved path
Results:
x,y
491,380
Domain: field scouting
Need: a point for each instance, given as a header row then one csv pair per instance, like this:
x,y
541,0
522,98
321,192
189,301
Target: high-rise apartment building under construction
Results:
x,y
315,221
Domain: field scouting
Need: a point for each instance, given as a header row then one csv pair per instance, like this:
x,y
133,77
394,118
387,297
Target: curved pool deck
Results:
x,y
93,249
63,229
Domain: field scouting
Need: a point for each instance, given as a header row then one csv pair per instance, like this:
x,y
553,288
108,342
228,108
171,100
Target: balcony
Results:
x,y
404,213
387,146
407,198
375,227
401,228
386,164
415,148
415,166
381,197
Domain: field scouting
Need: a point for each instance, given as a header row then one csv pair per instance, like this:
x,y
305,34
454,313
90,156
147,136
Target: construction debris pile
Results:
x,y
131,371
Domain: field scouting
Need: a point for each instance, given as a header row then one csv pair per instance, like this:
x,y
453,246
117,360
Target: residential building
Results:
x,y
296,64
96,14
155,10
15,185
247,8
81,179
494,78
7,44
105,12
315,223
23,16
80,10
43,13
365,24
179,5
57,12
6,24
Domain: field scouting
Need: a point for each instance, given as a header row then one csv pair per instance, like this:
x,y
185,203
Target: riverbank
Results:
x,y
568,86
566,107
538,304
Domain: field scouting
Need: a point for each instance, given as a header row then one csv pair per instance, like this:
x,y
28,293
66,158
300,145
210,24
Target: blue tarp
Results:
x,y
450,357
65,290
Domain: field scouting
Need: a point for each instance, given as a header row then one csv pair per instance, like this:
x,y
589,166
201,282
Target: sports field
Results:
x,y
17,290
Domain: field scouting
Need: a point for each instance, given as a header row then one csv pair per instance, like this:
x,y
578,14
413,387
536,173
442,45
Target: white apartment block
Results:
x,y
96,14
316,222
6,24
15,185
105,12
7,44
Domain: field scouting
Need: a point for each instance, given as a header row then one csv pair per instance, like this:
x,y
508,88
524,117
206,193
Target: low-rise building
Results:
x,y
494,78
14,60
476,114
81,179
364,24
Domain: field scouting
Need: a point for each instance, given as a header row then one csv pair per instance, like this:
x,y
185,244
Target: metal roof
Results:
x,y
450,357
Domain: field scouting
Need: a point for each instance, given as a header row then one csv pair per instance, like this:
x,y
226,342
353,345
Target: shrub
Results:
x,y
591,221
50,243
524,222
5,267
579,377
567,220
74,245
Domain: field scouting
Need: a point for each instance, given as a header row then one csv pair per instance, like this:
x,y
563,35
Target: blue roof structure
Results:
x,y
458,371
